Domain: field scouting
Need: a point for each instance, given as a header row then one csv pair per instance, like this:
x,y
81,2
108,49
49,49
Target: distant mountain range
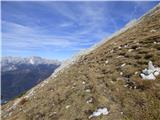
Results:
x,y
20,74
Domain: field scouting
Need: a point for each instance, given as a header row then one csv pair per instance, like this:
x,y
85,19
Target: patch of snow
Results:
x,y
151,72
148,77
31,61
98,112
156,73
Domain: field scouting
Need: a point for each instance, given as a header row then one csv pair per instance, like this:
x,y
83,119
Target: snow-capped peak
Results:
x,y
31,61
8,63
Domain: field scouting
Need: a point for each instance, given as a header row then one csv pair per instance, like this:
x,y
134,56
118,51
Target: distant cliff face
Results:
x,y
20,74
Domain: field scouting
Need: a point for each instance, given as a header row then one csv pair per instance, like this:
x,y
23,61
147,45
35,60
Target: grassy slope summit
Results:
x,y
77,91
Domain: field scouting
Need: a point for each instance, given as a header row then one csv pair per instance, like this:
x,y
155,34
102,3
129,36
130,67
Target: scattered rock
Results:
x,y
152,31
119,56
123,65
121,113
88,90
106,62
83,82
90,100
130,50
136,73
68,106
121,73
119,47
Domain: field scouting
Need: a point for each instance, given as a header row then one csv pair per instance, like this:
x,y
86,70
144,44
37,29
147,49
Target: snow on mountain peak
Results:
x,y
8,62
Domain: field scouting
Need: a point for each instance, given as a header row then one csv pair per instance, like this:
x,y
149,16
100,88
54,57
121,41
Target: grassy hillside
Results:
x,y
108,77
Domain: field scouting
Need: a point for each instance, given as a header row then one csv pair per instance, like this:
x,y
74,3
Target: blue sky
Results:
x,y
58,30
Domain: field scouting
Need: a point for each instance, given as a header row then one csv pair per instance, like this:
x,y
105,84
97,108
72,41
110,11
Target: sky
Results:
x,y
58,30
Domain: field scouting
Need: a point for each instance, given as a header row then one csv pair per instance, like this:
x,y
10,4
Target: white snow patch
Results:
x,y
151,72
148,77
31,61
98,112
156,73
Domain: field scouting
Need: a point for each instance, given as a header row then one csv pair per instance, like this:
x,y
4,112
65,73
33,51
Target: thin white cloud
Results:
x,y
88,21
22,38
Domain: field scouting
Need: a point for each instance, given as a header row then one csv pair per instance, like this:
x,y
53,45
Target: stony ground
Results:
x,y
107,77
